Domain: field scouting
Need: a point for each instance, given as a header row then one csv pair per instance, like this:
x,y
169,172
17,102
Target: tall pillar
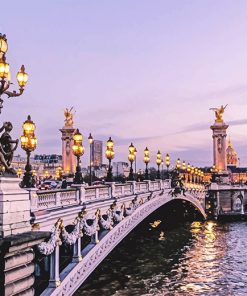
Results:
x,y
219,140
68,158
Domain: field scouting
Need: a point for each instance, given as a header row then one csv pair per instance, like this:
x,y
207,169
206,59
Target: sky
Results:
x,y
143,71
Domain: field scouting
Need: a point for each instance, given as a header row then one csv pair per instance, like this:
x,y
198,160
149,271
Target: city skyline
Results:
x,y
139,73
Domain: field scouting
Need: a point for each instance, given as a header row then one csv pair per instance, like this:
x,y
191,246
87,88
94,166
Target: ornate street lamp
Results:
x,y
59,173
168,161
202,177
135,152
46,174
19,172
192,174
178,164
131,158
22,76
28,144
162,169
109,153
146,160
188,171
90,139
158,162
78,151
196,174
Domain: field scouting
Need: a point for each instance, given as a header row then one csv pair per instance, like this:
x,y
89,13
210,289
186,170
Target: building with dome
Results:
x,y
231,155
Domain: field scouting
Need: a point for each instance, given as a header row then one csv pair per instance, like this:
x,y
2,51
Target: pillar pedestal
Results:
x,y
68,158
219,145
14,207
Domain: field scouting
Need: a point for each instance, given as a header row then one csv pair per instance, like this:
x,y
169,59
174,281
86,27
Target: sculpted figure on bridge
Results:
x,y
7,147
218,113
69,117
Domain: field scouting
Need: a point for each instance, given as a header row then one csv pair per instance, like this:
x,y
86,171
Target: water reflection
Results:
x,y
192,259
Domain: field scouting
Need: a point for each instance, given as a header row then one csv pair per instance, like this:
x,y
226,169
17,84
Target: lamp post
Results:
x,y
19,172
178,164
59,173
46,174
78,151
162,169
90,139
28,144
183,169
192,174
168,161
146,161
158,162
5,83
188,171
131,158
109,153
196,175
135,152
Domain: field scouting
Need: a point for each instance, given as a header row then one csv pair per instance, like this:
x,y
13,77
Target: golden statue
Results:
x,y
218,113
69,117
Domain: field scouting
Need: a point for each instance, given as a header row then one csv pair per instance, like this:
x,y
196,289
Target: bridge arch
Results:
x,y
75,274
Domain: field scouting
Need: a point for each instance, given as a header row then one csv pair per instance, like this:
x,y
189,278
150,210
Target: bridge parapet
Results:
x,y
42,200
54,199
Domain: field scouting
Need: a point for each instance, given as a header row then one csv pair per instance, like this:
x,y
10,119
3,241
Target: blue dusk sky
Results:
x,y
141,71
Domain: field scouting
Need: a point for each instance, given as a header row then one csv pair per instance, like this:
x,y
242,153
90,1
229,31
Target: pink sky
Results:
x,y
140,71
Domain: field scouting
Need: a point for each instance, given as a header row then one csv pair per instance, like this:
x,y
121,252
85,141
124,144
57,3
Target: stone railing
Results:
x,y
123,189
44,199
141,186
51,199
93,193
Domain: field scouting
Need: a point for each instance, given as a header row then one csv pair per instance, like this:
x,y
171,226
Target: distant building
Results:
x,y
120,168
49,160
97,153
231,155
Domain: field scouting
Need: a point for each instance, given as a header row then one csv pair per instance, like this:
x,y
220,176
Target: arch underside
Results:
x,y
75,274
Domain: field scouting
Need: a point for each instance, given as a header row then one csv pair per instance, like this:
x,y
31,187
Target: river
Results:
x,y
191,258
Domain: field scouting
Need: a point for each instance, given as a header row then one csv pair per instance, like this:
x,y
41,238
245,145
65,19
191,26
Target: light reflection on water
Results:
x,y
194,259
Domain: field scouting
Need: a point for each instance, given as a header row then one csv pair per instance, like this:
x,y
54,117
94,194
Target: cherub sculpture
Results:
x,y
219,112
7,147
69,117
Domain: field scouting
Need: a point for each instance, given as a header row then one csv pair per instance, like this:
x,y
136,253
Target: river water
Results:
x,y
192,258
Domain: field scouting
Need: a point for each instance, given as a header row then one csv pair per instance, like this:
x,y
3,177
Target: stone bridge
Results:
x,y
104,214
74,229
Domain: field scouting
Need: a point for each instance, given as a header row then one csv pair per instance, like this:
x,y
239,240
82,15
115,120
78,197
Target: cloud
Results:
x,y
205,126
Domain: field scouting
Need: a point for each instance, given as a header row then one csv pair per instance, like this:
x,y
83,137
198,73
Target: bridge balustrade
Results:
x,y
93,193
143,186
123,189
44,199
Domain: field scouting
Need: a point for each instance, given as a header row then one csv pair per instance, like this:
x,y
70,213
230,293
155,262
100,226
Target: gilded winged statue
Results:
x,y
219,113
69,117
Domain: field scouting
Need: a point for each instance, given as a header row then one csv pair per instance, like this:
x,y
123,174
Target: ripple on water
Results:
x,y
194,259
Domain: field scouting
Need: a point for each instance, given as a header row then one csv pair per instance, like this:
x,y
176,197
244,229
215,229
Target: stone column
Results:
x,y
219,145
68,158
